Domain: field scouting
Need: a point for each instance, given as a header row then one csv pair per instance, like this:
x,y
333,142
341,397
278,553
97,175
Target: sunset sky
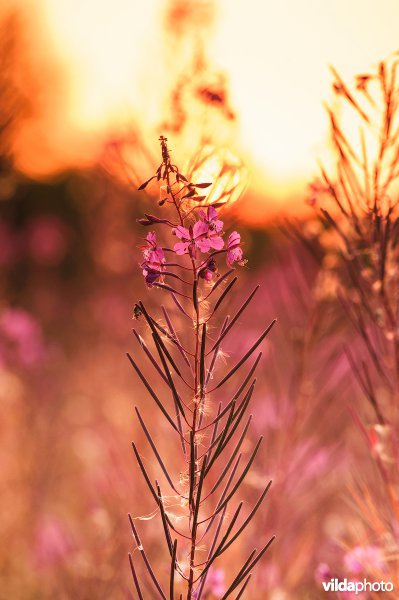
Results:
x,y
103,66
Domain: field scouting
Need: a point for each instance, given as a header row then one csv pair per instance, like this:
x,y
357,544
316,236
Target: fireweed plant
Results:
x,y
210,430
359,212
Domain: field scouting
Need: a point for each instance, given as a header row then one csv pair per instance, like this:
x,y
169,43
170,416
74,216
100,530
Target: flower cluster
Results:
x,y
205,236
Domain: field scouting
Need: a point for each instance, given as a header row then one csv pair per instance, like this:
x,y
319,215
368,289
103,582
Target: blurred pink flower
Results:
x,y
322,573
21,338
52,542
215,582
47,240
364,559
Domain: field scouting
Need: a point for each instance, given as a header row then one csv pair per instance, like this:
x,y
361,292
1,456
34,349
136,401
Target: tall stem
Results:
x,y
198,399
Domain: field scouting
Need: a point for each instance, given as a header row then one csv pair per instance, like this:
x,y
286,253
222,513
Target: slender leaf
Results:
x,y
172,572
155,450
136,581
234,319
152,393
145,559
246,356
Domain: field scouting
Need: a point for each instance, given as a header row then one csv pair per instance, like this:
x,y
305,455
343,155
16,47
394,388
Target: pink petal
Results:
x,y
151,238
216,242
182,232
212,214
217,226
200,228
181,247
159,253
203,245
234,239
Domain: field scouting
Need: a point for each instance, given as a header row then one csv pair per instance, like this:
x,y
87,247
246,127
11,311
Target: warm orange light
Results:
x,y
118,68
224,169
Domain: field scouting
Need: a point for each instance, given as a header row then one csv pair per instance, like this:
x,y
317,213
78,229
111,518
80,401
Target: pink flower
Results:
x,y
215,227
234,251
323,573
21,338
203,236
52,543
210,218
215,582
154,259
364,559
192,239
47,240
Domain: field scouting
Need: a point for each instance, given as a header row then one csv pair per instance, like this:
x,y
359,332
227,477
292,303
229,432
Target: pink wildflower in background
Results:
x,y
216,582
52,543
364,559
21,338
322,573
47,240
216,586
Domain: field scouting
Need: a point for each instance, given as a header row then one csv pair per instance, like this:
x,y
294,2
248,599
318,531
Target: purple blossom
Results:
x,y
210,218
203,236
234,251
215,227
154,259
192,239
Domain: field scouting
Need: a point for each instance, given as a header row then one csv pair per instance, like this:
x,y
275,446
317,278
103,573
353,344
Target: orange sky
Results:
x,y
111,64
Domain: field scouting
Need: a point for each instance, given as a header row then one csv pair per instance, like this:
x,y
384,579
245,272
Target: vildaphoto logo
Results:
x,y
343,585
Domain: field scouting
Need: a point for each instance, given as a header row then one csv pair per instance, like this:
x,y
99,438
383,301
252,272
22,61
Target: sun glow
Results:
x,y
224,169
114,67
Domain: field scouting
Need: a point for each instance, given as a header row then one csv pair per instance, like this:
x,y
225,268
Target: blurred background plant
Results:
x,y
359,214
68,242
